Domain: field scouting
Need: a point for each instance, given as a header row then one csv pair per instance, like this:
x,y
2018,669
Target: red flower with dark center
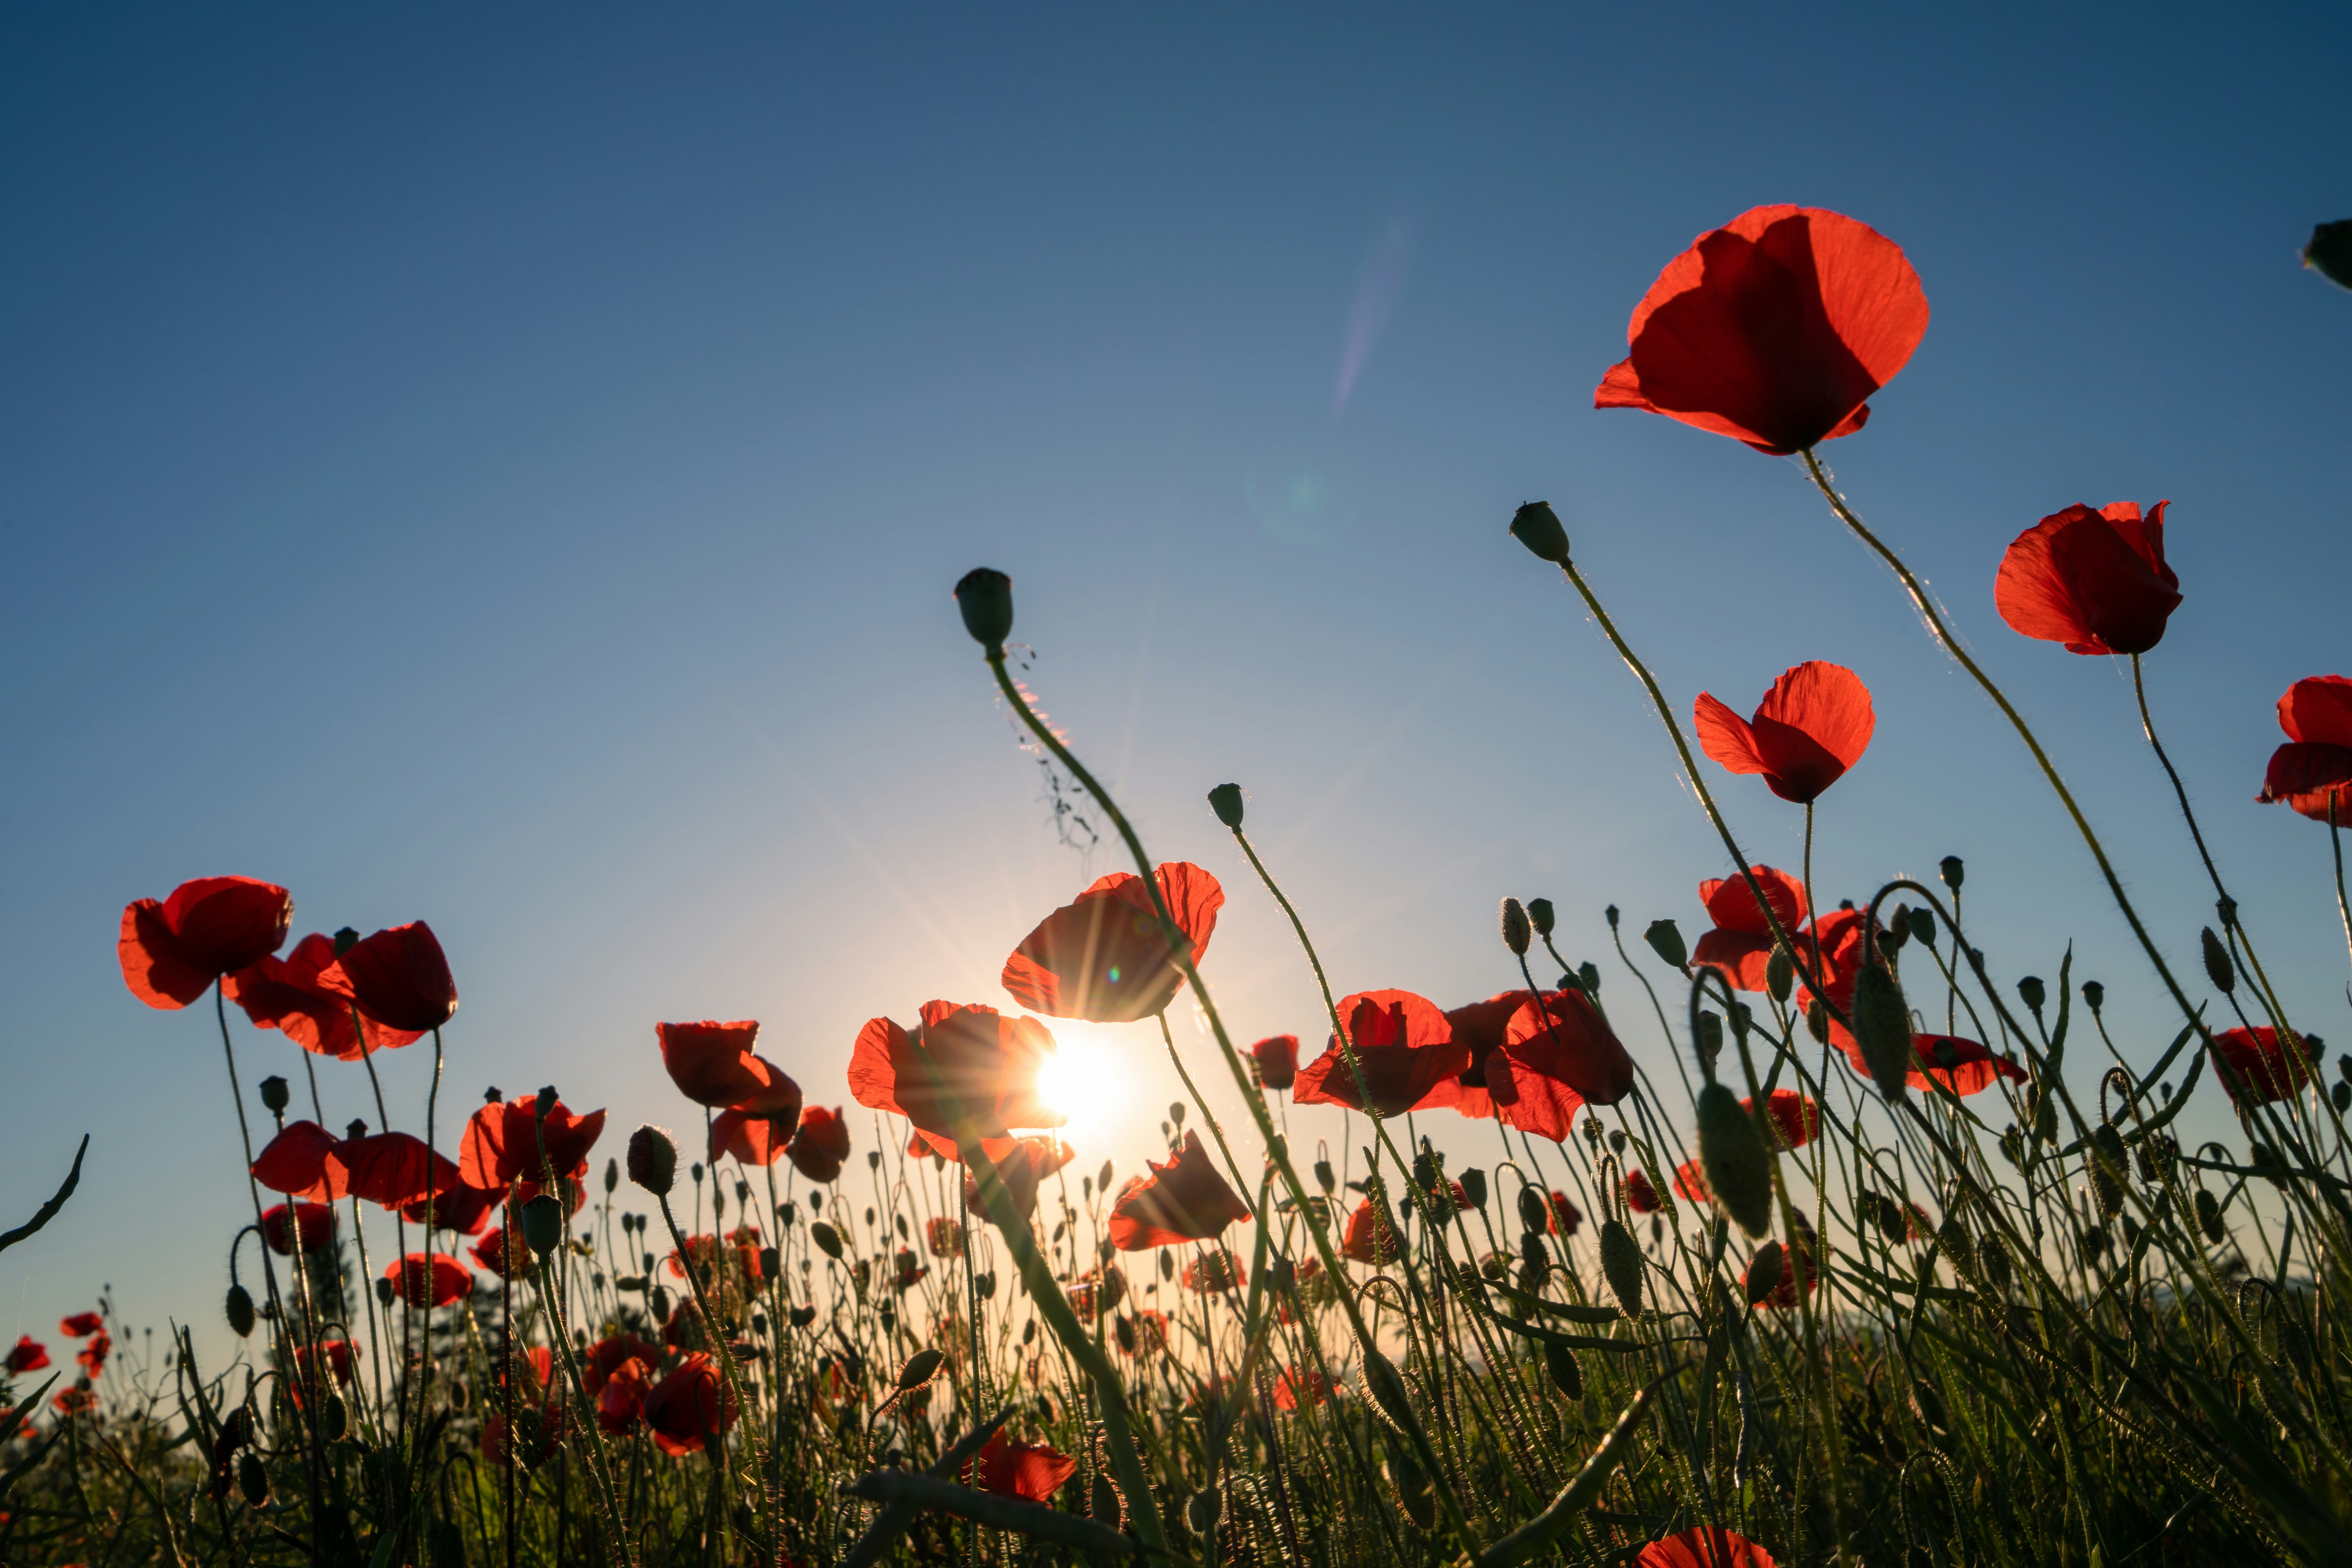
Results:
x,y
27,1356
399,977
712,1064
2314,769
1214,1273
1964,1067
2095,580
619,1396
821,1147
1741,942
1640,1196
297,1162
1478,1029
1690,1181
501,1144
978,1058
172,952
429,1280
605,1356
1774,330
2263,1064
1798,1118
1704,1546
1186,1199
1558,1056
1105,958
391,1169
1369,1239
1813,726
1278,1060
1021,1168
1403,1045
502,1252
1298,1388
313,1223
1562,1216
284,994
462,1210
691,1401
82,1325
1009,1468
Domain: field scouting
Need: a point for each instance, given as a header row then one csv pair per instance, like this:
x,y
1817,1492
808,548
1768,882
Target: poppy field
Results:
x,y
1906,1261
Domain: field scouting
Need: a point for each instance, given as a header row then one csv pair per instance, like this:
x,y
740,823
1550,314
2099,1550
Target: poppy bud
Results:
x,y
1665,940
1817,1021
1620,1265
346,940
828,1239
252,1479
542,1225
1473,1186
1588,974
1517,932
2208,1216
1923,927
1386,1385
1539,915
1203,1508
2218,968
1732,1153
335,1419
1706,1038
1764,1271
2329,252
612,1175
1958,1244
661,1302
1323,1176
384,1293
240,1312
1531,1210
1225,800
1951,867
2094,994
1994,1260
918,1369
2341,1095
1566,1376
273,1094
1537,526
355,1129
1102,1501
653,1161
985,597
2107,1169
772,1262
1531,1251
1880,1021
2034,992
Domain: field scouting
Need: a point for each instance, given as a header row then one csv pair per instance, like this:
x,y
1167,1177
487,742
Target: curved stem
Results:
x,y
2336,838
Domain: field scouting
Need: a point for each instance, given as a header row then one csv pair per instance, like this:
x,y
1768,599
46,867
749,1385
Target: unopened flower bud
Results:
x,y
1588,974
1764,1271
1323,1178
1780,975
1205,1508
918,1369
240,1312
828,1239
612,1175
1566,1374
1225,800
653,1160
1706,1038
1473,1186
2218,967
1532,1209
1620,1265
1517,931
1880,1021
1731,1151
2034,992
1539,915
252,1479
2329,252
2208,1216
1665,940
2094,994
985,597
1537,527
542,1225
1951,867
273,1094
1923,927
346,940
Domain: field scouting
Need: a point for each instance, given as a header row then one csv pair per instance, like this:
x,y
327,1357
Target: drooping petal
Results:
x,y
2095,580
157,969
1105,956
1403,1046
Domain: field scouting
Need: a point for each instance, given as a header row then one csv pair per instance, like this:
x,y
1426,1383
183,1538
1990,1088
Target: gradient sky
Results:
x,y
508,469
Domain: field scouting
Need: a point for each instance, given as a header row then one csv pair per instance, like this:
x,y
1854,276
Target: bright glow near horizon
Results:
x,y
1088,1079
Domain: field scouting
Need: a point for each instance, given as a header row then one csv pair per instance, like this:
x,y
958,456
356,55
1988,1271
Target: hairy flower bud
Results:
x,y
1225,800
653,1160
1537,527
1620,1265
1706,1039
1532,1209
919,1368
2218,967
1518,934
1764,1271
1665,940
1923,927
1473,1186
985,597
1780,975
240,1312
2208,1217
1731,1151
1566,1376
542,1225
1881,1020
1951,867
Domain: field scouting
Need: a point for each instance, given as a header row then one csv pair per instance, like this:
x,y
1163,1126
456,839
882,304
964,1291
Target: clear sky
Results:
x,y
508,469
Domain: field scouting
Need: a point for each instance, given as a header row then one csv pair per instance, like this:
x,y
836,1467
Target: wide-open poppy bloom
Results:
x,y
1105,958
1741,942
1021,1168
2095,580
974,1057
391,1169
1478,1029
400,977
284,994
1704,1547
1558,1056
298,1162
172,952
429,1280
1403,1045
619,1396
2264,1065
501,1143
1185,1199
1813,726
1369,1237
1773,329
2313,772
28,1354
1797,1119
1964,1067
821,1147
1276,1057
712,1064
691,1401
1009,1468
313,1223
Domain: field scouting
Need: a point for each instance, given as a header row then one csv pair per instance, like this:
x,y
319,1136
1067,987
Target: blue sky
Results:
x,y
508,470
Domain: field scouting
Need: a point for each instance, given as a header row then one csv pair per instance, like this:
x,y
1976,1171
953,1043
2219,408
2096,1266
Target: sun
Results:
x,y
1088,1079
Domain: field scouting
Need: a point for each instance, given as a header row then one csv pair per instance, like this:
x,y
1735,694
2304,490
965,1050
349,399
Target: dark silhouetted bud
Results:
x,y
346,940
612,1175
1537,526
2095,996
1960,1248
355,1129
1993,1259
2034,992
1620,1265
273,1094
1588,974
2329,252
2208,1216
1882,1029
542,1225
1898,931
1731,1150
1665,940
1780,975
252,1479
1539,915
918,1369
335,1419
1225,800
384,1294
2342,1096
828,1239
1517,931
1282,1274
1203,1508
240,1312
1386,1385
1764,1271
1707,1038
985,597
2107,1169
2218,967
1923,927
1817,1021
1532,1208
1566,1376
1473,1186
653,1160
1952,869
1610,914
1323,1175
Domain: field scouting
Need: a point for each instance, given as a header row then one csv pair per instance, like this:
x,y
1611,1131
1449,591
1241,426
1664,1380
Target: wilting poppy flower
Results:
x,y
821,1147
399,977
978,1058
2095,580
2263,1064
1403,1045
315,1224
1478,1030
502,1142
608,1354
1021,1168
1640,1196
1278,1060
1214,1272
172,952
2314,769
82,1325
1299,1387
1104,957
691,1401
297,1162
1798,1118
1369,1239
1964,1067
1009,1468
1558,1056
1741,942
1690,1181
284,994
391,1169
1773,329
1562,1216
502,1252
619,1396
463,1209
1186,1199
429,1280
1813,726
28,1354
1704,1547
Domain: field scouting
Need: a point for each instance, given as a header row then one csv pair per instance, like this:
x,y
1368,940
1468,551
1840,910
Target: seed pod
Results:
x,y
1539,915
1517,932
542,1225
1532,1209
1324,1178
918,1369
986,1285
1203,1508
1566,1376
2218,967
1764,1272
661,1302
1620,1265
1665,940
1951,867
1882,1029
1537,527
1731,1151
2208,1217
1960,1248
274,1094
772,1262
240,1312
1706,1039
1225,800
986,598
1386,1385
2095,996
2033,992
1588,974
1923,927
1780,975
2341,1095
828,1239
252,1479
653,1160
2107,1169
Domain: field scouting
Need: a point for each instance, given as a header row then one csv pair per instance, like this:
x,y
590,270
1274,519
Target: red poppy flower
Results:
x,y
1145,1333
429,1280
1640,1196
502,1253
1214,1273
339,1354
1964,1067
1278,1060
1186,1199
1403,1045
82,1325
1369,1239
619,1396
2095,580
1798,1118
463,1210
712,1064
1009,1468
688,1404
1690,1181
606,1354
1843,951
979,1057
313,1223
708,1254
1563,1216
1558,1056
28,1354
751,1136
284,994
297,1162
1741,942
2314,767
1298,1388
1478,1029
400,977
821,1147
501,1144
1704,1547
391,1169
92,1355
1813,726
1097,1290
1021,1167
1773,329
1104,957
2264,1065
172,952
1796,1271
